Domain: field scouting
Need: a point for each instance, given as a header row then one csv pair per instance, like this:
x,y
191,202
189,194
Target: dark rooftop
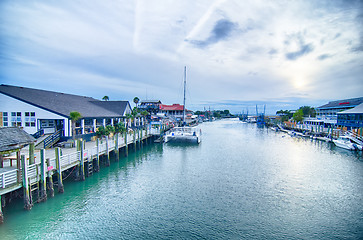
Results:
x,y
12,138
63,104
345,103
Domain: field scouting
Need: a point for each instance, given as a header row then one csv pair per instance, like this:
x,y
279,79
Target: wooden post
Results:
x,y
59,170
31,154
81,160
126,145
27,203
43,179
1,212
116,147
107,153
134,140
50,179
98,155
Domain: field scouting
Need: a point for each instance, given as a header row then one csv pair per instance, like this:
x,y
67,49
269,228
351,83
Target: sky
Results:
x,y
283,54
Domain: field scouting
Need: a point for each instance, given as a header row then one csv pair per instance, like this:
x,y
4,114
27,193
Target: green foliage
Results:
x,y
74,116
102,131
110,129
308,111
298,115
105,98
120,128
136,100
226,112
285,115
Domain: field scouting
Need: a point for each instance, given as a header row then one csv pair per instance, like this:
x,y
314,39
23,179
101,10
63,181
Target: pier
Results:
x,y
37,172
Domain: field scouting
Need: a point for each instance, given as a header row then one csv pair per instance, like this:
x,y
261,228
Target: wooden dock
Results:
x,y
49,164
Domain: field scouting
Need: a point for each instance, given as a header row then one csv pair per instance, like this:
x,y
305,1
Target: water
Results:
x,y
241,182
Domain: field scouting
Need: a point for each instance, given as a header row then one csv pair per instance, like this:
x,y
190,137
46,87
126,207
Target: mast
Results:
x,y
185,83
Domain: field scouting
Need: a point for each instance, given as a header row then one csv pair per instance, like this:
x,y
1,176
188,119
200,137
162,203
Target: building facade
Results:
x,y
34,110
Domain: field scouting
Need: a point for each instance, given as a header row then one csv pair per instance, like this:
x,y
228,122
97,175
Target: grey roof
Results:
x,y
357,110
345,103
63,104
12,138
150,101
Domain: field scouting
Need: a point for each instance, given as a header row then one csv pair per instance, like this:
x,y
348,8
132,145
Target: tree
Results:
x,y
226,112
105,98
308,111
136,100
74,116
298,115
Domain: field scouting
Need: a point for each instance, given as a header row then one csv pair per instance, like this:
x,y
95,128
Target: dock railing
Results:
x,y
8,178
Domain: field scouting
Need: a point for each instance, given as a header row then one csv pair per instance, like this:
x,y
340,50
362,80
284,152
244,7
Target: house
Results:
x,y
40,110
152,106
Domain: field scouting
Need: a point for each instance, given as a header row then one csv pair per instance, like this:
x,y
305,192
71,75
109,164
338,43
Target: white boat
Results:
x,y
344,142
184,133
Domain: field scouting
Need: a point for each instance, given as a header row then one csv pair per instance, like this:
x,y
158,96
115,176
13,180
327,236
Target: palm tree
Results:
x,y
105,98
74,116
136,100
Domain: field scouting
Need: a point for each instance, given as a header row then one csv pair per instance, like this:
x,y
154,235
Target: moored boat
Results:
x,y
344,142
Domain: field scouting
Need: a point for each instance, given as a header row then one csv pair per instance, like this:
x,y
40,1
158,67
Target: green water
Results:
x,y
241,182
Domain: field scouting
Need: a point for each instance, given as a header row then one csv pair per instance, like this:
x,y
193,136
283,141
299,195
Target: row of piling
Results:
x,y
44,186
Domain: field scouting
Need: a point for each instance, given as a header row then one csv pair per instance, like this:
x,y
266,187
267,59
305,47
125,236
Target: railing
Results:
x,y
33,171
11,177
8,178
52,139
38,134
69,159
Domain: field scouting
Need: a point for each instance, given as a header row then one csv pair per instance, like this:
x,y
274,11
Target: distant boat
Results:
x,y
184,133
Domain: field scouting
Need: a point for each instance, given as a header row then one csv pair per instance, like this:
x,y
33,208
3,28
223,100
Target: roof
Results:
x,y
12,138
63,104
150,101
345,103
174,107
357,110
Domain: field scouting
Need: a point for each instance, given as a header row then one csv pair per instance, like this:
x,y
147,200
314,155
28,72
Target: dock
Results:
x,y
38,171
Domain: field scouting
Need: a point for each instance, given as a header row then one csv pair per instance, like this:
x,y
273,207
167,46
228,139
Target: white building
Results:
x,y
34,110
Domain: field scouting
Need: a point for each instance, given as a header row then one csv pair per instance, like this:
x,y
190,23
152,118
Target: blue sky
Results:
x,y
284,54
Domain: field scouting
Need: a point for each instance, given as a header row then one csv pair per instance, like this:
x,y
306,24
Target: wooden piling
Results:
x,y
107,153
98,155
31,154
126,145
134,141
50,179
43,177
27,201
59,170
116,147
1,211
81,162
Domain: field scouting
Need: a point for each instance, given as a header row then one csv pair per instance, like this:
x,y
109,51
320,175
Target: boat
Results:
x,y
184,133
344,142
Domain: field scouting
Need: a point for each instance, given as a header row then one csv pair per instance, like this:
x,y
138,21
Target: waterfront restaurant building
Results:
x,y
34,110
331,109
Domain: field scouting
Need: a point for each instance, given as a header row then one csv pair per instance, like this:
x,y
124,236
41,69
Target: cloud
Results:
x,y
324,56
222,30
297,47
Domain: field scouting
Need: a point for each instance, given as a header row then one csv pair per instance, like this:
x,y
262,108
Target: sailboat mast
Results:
x,y
185,83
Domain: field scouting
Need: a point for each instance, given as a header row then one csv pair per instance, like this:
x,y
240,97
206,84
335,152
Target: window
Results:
x,y
29,119
5,119
16,119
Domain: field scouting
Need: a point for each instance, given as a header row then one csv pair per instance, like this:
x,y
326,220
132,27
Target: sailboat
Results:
x,y
184,133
